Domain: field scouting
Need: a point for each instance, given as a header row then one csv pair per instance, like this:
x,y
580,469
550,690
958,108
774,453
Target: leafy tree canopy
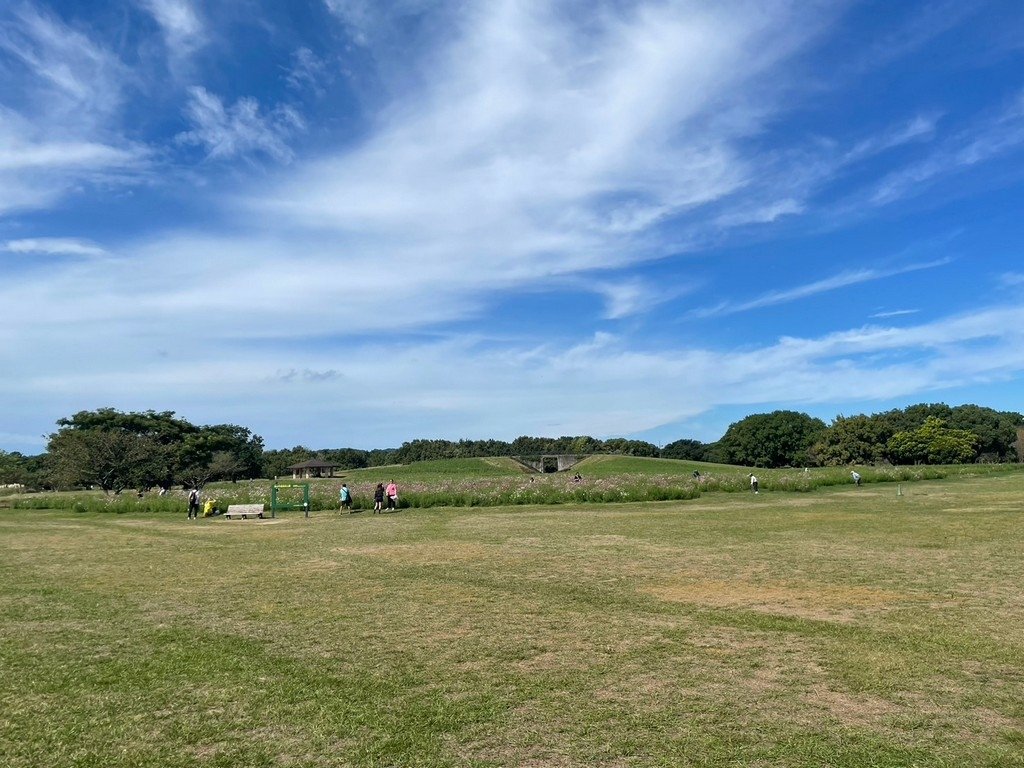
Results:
x,y
116,450
17,469
866,439
853,440
933,443
776,439
688,450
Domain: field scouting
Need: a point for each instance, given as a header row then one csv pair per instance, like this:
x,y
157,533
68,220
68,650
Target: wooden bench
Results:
x,y
244,511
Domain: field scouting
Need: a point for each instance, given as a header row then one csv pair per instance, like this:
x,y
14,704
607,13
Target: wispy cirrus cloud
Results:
x,y
835,282
629,296
545,145
894,313
181,24
61,75
307,71
987,140
238,129
917,129
59,246
59,122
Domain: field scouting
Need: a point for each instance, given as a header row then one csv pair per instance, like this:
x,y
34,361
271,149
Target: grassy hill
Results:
x,y
610,466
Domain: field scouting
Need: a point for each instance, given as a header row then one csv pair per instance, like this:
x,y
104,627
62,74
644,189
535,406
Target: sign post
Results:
x,y
276,503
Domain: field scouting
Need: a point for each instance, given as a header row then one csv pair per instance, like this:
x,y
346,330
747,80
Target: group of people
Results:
x,y
195,501
381,494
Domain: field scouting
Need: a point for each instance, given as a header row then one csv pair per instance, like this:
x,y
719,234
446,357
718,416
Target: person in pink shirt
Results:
x,y
392,493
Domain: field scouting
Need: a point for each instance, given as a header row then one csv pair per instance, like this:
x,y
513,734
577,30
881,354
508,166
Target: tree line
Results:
x,y
112,450
919,434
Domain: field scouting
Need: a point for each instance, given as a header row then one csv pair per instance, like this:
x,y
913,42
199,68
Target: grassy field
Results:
x,y
836,627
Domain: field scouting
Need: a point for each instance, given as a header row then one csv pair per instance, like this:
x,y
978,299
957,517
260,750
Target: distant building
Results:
x,y
312,468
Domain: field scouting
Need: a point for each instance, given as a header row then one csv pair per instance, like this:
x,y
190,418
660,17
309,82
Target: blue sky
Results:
x,y
354,223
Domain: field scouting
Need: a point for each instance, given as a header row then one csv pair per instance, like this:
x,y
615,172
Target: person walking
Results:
x,y
378,498
193,504
345,497
392,493
753,483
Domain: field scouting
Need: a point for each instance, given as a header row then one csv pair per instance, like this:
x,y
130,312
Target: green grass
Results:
x,y
837,627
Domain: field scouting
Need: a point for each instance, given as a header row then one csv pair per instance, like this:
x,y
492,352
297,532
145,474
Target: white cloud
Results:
x,y
181,25
35,171
62,246
894,313
599,386
762,214
370,22
546,145
238,129
58,125
627,296
307,71
919,128
984,142
841,280
65,77
20,152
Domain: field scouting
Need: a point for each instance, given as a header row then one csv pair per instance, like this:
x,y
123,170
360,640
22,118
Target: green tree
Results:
x,y
116,450
583,445
625,447
347,458
245,448
18,469
689,450
162,434
996,430
852,440
195,455
933,443
776,439
276,462
110,459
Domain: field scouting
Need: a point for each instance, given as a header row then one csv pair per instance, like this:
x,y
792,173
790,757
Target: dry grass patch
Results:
x,y
431,553
826,602
860,710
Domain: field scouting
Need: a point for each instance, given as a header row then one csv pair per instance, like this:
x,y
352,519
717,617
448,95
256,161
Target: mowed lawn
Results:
x,y
843,627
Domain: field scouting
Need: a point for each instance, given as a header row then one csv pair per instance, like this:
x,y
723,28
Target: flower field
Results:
x,y
502,482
